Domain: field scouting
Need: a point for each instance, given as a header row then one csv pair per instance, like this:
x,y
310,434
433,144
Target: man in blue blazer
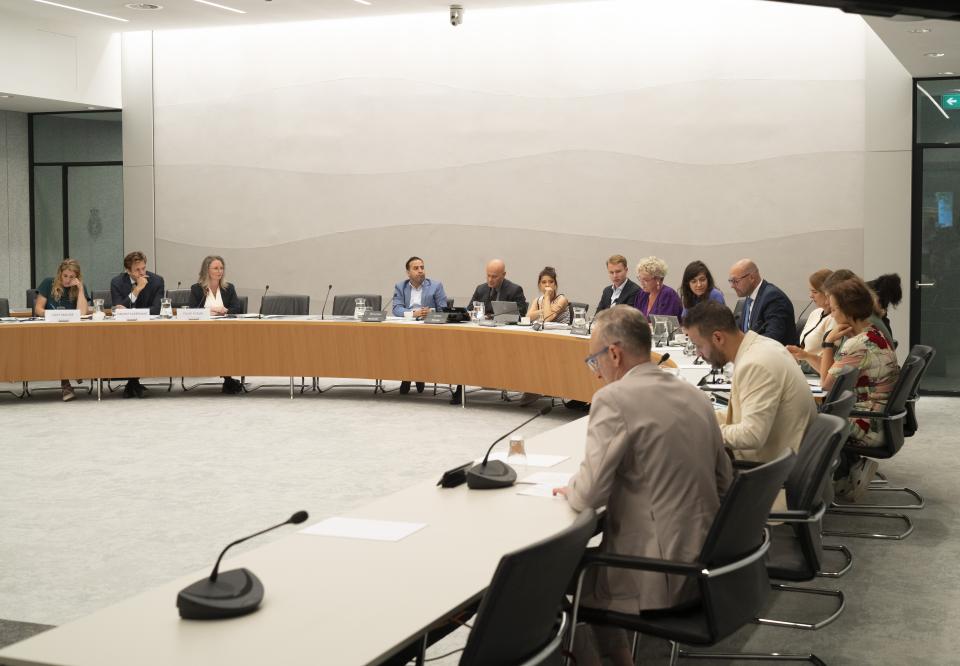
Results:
x,y
417,294
763,307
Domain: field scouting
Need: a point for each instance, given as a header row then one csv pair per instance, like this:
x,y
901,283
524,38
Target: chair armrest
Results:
x,y
746,464
797,516
596,558
867,415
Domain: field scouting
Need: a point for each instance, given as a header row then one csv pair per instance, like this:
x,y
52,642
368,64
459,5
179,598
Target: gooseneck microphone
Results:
x,y
664,358
498,474
803,311
230,594
262,298
323,309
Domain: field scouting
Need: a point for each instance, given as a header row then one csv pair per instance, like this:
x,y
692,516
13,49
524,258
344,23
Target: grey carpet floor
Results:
x,y
101,501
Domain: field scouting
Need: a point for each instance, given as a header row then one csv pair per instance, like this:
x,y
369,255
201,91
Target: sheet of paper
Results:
x,y
540,491
362,528
533,459
552,479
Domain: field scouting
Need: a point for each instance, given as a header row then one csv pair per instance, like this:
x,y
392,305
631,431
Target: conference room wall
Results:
x,y
328,152
14,208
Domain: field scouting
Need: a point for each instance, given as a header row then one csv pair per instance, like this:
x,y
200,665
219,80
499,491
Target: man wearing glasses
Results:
x,y
763,307
655,458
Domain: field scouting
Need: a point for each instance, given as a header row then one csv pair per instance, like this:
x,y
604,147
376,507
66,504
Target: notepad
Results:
x,y
552,479
540,491
362,528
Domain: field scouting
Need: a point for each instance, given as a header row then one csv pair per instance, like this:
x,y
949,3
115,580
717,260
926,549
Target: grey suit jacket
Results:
x,y
655,459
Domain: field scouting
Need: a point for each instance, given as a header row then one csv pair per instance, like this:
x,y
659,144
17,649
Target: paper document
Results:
x,y
362,528
552,479
540,491
533,459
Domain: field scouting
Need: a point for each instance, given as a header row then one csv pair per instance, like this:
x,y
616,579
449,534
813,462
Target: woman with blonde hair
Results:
x,y
656,298
66,291
212,291
818,323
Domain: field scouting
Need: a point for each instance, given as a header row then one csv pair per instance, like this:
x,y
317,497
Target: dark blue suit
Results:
x,y
121,288
771,315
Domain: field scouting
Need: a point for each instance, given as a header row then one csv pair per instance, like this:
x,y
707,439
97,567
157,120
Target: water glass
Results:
x,y
579,317
479,311
660,333
166,308
360,306
517,454
98,313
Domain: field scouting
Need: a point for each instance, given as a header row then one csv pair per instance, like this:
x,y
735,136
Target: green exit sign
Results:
x,y
950,102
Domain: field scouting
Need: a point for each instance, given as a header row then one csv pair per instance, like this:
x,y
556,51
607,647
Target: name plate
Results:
x,y
435,318
61,316
374,315
193,314
131,314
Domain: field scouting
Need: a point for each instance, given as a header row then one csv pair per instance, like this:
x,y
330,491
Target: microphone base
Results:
x,y
236,592
493,474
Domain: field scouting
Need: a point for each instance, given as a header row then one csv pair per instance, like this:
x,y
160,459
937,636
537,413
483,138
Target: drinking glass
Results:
x,y
479,311
360,306
166,308
98,313
579,317
660,333
517,455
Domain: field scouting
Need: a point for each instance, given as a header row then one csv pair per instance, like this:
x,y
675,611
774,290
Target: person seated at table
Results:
x,y
889,293
654,297
213,292
136,287
621,288
876,317
818,323
496,288
65,291
549,305
418,294
762,307
770,401
697,286
659,468
871,352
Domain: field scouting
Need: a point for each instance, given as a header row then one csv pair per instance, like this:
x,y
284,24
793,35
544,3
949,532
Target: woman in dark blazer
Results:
x,y
212,291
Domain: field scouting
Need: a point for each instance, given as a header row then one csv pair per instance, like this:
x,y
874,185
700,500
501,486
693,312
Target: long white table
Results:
x,y
329,600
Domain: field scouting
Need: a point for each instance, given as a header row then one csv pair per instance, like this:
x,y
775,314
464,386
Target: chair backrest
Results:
x,y
179,298
845,380
285,304
244,302
517,616
841,407
343,304
450,302
910,424
4,307
733,598
105,295
895,411
32,300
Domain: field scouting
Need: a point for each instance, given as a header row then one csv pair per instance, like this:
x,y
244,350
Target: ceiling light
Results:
x,y
363,2
84,11
5,96
945,74
91,108
213,4
918,30
934,55
143,6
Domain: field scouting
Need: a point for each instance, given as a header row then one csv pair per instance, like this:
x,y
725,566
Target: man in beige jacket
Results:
x,y
655,458
770,400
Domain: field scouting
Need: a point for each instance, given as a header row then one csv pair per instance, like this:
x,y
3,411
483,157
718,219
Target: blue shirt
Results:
x,y
714,295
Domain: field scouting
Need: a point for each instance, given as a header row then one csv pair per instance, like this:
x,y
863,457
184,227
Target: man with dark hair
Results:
x,y
621,289
654,457
763,307
770,400
136,287
417,295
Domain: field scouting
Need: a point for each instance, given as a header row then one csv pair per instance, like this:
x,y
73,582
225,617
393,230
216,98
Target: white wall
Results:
x,y
41,60
331,151
14,208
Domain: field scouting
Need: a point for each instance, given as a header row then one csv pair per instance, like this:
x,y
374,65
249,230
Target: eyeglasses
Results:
x,y
593,361
736,280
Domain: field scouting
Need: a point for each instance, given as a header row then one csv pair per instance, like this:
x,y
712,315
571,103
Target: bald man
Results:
x,y
762,307
498,288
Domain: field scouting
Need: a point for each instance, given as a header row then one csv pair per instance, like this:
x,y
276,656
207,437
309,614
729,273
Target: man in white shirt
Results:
x,y
417,295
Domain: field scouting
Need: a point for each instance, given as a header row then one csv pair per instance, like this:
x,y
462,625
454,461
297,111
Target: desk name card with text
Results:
x,y
61,316
193,314
131,314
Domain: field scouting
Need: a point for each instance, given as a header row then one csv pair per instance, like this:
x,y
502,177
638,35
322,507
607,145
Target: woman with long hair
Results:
x,y
698,286
212,291
65,291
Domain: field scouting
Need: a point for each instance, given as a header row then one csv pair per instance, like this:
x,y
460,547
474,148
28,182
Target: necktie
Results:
x,y
745,320
493,295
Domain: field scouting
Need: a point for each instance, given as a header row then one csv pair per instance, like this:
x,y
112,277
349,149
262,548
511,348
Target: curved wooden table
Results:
x,y
544,362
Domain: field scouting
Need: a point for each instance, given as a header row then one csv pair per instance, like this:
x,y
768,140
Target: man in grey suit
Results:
x,y
655,458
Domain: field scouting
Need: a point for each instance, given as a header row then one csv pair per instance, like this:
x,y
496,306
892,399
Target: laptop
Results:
x,y
505,312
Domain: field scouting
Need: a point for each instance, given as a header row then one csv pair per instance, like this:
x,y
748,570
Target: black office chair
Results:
x,y
31,301
796,546
926,354
4,307
179,298
845,380
520,620
244,303
730,573
284,305
106,295
343,304
892,419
